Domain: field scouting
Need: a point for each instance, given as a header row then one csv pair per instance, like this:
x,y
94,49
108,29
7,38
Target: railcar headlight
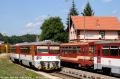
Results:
x,y
39,57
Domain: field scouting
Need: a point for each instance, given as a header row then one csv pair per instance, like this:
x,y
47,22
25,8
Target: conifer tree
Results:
x,y
73,11
88,10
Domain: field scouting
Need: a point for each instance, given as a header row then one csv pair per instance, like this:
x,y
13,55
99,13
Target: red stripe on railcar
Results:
x,y
47,54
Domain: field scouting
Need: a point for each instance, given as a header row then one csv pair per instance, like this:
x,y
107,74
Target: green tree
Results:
x,y
1,37
28,38
15,39
53,29
73,11
87,10
6,39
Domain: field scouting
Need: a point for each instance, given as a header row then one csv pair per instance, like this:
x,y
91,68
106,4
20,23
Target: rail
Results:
x,y
84,74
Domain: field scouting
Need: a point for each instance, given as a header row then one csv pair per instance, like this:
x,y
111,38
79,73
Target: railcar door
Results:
x,y
97,60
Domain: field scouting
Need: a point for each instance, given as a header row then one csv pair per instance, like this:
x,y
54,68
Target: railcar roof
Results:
x,y
38,43
74,43
95,42
107,42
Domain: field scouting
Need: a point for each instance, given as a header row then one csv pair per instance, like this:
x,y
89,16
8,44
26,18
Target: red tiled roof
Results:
x,y
95,23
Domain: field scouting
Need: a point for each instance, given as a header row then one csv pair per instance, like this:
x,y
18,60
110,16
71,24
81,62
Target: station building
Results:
x,y
93,28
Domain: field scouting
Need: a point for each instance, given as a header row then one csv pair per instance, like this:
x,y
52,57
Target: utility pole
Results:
x,y
84,28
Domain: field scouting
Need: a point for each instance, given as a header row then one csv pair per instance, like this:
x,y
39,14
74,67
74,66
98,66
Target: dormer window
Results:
x,y
102,34
118,34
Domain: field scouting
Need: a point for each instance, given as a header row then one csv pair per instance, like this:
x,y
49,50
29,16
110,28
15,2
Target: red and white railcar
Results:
x,y
100,55
78,54
107,56
41,55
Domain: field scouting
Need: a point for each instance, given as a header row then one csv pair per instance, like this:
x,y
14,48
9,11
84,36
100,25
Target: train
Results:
x,y
98,55
4,48
47,55
42,55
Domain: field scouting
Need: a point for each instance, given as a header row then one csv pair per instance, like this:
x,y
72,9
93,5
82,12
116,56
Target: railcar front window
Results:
x,y
42,49
105,50
54,49
114,51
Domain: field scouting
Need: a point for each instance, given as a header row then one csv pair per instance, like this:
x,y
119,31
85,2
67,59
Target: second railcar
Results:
x,y
99,55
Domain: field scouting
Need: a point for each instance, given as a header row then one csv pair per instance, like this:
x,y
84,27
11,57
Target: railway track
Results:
x,y
83,74
71,73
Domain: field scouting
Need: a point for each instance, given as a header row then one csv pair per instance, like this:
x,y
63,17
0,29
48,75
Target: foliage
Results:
x,y
73,11
29,38
18,39
53,29
1,37
87,10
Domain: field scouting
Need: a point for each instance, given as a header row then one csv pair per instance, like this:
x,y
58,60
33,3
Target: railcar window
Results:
x,y
42,50
13,50
54,51
62,50
78,49
105,50
114,50
70,49
74,49
91,49
25,50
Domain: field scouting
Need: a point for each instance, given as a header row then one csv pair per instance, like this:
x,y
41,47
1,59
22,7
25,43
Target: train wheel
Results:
x,y
30,64
21,62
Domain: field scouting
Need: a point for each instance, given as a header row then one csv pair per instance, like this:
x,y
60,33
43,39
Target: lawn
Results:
x,y
9,70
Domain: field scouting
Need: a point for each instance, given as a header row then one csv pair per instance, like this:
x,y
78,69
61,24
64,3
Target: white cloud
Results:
x,y
29,25
34,26
4,33
107,1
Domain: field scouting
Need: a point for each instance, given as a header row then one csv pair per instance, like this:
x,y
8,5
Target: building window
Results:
x,y
102,34
118,34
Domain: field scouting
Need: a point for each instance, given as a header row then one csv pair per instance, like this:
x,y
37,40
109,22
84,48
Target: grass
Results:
x,y
9,70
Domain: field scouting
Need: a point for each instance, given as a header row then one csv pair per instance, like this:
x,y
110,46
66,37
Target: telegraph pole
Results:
x,y
84,29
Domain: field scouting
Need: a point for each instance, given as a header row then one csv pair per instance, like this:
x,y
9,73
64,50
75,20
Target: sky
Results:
x,y
19,17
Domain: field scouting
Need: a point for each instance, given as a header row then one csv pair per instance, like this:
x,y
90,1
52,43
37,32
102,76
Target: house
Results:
x,y
92,28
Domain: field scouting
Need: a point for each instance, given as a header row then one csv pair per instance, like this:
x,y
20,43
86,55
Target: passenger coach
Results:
x,y
41,55
99,55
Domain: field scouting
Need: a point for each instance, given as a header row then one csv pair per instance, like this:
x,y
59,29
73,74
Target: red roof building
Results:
x,y
94,28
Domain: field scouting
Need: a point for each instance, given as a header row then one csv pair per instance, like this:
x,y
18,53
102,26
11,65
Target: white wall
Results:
x,y
89,35
93,34
111,35
72,33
